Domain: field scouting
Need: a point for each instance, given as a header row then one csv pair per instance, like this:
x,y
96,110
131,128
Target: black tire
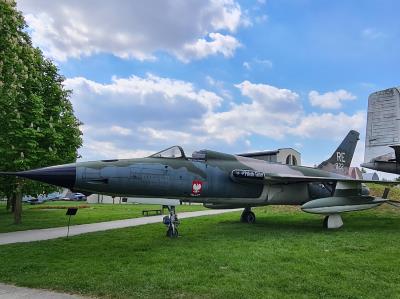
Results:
x,y
172,233
243,217
249,217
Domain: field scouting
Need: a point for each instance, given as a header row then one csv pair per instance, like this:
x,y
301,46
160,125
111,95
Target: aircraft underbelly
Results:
x,y
288,194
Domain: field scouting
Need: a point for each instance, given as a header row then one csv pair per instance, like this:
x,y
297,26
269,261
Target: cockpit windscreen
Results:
x,y
173,152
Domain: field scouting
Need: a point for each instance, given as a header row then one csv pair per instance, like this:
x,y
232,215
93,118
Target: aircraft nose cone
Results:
x,y
61,175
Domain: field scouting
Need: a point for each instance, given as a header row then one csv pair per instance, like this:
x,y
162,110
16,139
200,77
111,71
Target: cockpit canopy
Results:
x,y
173,152
176,152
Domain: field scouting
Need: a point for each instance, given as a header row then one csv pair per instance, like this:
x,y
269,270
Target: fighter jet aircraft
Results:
x,y
221,181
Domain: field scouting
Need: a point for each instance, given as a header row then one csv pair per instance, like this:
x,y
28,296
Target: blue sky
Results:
x,y
227,75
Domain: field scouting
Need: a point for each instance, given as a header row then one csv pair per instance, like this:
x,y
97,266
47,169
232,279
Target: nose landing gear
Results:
x,y
171,222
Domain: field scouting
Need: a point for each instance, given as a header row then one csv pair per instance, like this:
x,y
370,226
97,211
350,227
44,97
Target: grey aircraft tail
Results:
x,y
340,160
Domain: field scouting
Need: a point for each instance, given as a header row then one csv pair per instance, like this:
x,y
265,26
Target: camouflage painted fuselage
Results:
x,y
207,180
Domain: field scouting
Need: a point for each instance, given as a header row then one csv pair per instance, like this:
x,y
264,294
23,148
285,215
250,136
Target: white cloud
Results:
x,y
269,95
153,112
331,99
147,93
263,63
150,113
134,29
121,131
219,87
229,15
184,138
328,124
247,65
217,44
94,149
270,113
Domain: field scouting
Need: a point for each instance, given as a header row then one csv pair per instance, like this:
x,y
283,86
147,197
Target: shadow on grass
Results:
x,y
298,222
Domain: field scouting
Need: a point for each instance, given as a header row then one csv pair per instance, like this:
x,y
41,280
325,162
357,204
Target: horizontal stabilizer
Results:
x,y
394,203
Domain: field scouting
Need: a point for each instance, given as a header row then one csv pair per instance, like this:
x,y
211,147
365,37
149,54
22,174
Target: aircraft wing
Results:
x,y
298,179
258,177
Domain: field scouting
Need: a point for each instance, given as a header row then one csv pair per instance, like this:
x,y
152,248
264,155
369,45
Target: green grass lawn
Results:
x,y
34,216
286,254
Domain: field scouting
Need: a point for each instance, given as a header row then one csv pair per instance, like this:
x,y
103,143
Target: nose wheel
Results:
x,y
248,216
171,222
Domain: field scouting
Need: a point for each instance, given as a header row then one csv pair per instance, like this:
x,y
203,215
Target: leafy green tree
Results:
x,y
37,124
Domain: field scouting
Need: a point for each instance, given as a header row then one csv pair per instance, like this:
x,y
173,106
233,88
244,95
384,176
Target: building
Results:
x,y
283,155
370,176
383,123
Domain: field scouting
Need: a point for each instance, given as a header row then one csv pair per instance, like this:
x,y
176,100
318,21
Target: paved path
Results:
x,y
13,292
58,232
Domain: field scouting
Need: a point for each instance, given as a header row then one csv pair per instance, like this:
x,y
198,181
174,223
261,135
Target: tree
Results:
x,y
37,124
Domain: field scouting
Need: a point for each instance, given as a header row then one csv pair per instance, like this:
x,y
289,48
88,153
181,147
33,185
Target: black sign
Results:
x,y
71,211
248,174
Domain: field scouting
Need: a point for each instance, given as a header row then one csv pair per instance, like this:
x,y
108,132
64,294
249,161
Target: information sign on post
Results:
x,y
70,212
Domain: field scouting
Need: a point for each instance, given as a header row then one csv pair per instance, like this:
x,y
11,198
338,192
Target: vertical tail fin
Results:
x,y
340,160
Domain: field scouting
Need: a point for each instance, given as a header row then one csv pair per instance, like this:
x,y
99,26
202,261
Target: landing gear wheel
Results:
x,y
172,233
171,222
248,217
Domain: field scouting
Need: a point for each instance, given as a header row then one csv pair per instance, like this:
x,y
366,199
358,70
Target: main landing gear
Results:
x,y
171,222
248,216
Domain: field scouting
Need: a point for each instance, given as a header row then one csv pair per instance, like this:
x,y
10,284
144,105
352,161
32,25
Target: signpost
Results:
x,y
70,212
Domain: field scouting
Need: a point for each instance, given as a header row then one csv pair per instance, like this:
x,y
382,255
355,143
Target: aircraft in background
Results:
x,y
222,181
383,131
389,162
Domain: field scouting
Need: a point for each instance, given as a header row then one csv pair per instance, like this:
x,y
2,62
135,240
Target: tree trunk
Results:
x,y
18,205
13,202
8,206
